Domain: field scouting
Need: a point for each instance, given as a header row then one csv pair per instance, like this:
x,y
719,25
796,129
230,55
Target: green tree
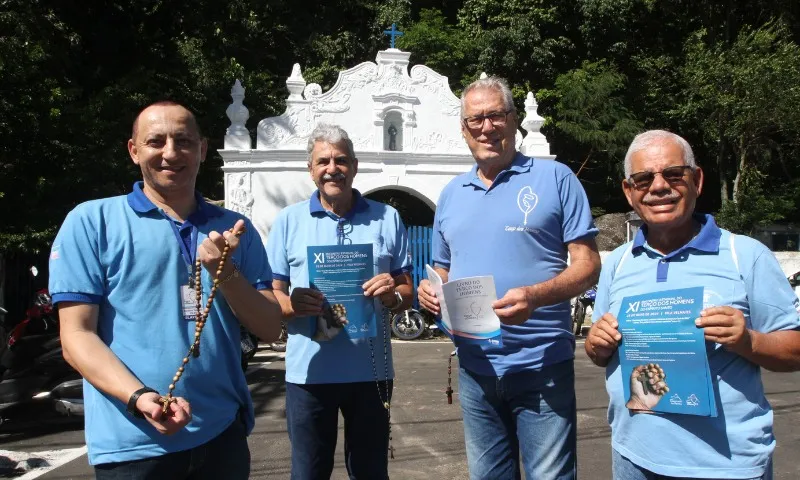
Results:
x,y
590,127
746,100
440,45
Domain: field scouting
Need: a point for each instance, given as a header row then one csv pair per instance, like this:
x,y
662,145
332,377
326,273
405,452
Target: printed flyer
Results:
x,y
662,355
339,271
466,305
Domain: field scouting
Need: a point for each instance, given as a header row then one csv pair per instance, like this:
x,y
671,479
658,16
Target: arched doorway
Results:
x,y
413,210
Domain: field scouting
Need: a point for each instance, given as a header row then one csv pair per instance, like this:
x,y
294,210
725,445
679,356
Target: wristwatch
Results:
x,y
131,408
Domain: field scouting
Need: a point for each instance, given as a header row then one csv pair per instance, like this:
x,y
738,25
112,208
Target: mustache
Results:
x,y
335,177
672,195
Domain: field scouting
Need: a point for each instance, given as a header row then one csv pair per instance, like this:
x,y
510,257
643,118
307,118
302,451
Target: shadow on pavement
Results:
x,y
267,385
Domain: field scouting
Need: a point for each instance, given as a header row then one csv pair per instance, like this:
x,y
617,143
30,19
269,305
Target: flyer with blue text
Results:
x,y
339,271
466,306
662,355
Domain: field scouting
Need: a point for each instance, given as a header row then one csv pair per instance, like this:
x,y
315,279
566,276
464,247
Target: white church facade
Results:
x,y
405,128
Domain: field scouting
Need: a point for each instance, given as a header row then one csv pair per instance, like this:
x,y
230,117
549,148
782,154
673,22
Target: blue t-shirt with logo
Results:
x,y
125,255
743,274
307,223
517,231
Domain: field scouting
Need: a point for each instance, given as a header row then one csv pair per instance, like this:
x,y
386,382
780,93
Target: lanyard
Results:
x,y
188,255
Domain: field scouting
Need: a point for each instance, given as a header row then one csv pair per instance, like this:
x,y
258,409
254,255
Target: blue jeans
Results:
x,y
312,417
226,456
531,413
624,469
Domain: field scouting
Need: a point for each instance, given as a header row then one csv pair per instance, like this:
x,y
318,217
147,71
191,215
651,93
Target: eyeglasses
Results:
x,y
670,175
497,119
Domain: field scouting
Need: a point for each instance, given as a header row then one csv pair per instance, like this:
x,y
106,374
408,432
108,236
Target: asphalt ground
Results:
x,y
427,432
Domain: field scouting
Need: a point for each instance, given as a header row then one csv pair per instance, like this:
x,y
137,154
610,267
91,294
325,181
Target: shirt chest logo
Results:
x,y
527,201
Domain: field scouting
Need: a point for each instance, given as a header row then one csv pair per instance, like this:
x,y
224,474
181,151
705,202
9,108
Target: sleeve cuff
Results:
x,y
278,276
263,286
76,297
586,235
400,271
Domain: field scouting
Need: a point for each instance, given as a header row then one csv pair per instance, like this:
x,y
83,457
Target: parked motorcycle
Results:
x,y
794,281
33,371
412,324
584,301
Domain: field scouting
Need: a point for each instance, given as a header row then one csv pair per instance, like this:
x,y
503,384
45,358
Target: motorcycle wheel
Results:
x,y
408,328
578,317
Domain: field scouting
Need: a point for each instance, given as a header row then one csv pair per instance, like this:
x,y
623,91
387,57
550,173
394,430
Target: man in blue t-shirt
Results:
x,y
327,371
516,218
123,272
750,321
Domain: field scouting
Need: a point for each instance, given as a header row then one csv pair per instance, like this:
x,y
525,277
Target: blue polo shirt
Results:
x,y
297,226
124,254
517,230
738,443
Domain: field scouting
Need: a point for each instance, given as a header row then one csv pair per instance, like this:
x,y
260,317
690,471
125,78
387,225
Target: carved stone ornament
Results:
x,y
237,112
240,197
359,101
534,143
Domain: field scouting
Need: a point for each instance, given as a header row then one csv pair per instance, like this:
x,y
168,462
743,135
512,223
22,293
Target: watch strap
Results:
x,y
134,398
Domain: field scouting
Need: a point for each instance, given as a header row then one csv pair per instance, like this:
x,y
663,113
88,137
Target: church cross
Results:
x,y
393,33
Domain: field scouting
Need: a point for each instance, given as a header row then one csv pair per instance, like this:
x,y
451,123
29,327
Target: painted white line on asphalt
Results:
x,y
417,442
253,367
49,459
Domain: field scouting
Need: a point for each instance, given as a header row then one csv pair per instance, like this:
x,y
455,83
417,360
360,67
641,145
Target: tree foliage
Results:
x,y
722,73
732,92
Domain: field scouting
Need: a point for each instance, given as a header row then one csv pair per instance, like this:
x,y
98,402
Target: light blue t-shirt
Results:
x,y
517,231
737,443
307,223
123,254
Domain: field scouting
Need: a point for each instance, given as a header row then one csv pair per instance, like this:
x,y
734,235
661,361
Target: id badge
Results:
x,y
189,302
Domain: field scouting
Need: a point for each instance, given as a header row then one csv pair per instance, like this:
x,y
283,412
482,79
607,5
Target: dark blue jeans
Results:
x,y
312,416
529,414
226,456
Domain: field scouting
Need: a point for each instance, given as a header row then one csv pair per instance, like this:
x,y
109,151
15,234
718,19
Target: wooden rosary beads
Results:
x,y
202,316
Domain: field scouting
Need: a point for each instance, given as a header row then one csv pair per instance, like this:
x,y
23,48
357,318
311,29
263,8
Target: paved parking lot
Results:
x,y
428,435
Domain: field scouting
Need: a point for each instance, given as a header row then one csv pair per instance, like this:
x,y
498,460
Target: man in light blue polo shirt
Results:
x,y
325,376
516,218
750,321
121,272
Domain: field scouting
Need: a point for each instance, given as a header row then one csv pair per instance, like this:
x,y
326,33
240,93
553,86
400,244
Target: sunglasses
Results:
x,y
670,174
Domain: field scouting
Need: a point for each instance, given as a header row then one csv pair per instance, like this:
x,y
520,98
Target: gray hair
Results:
x,y
490,83
648,138
330,133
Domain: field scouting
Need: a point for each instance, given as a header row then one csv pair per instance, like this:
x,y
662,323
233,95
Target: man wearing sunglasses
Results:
x,y
515,218
750,321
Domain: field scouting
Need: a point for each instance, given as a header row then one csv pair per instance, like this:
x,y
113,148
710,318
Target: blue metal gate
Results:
x,y
419,242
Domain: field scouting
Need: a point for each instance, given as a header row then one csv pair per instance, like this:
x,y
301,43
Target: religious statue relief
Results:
x,y
392,137
241,200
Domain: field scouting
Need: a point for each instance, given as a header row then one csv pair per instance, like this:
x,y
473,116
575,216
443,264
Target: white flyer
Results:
x,y
466,309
